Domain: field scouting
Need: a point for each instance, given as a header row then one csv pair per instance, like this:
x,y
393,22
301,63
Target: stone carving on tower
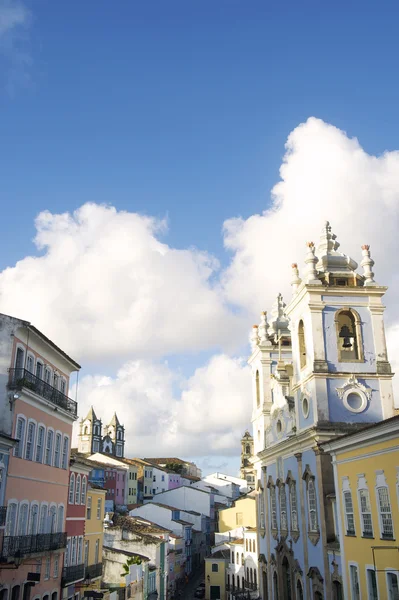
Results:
x,y
94,438
320,369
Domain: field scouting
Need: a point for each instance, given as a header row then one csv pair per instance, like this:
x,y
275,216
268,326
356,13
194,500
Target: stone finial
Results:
x,y
295,280
263,327
311,262
254,337
367,264
328,240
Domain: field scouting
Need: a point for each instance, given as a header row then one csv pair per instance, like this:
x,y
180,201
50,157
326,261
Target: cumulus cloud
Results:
x,y
15,19
166,414
106,286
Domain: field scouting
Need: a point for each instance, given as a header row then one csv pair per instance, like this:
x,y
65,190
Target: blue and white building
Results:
x,y
320,369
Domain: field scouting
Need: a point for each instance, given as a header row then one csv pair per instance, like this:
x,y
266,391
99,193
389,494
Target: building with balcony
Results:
x,y
366,509
37,412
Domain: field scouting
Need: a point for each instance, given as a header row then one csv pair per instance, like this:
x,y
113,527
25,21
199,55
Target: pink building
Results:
x,y
36,411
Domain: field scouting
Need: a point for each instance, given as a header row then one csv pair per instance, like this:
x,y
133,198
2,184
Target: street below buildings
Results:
x,y
188,590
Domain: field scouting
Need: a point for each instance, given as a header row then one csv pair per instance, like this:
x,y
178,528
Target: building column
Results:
x,y
298,456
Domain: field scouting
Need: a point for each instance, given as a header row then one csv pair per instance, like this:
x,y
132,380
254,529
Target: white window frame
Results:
x,y
32,358
47,374
71,489
311,480
99,507
56,565
11,521
282,495
65,452
273,508
60,517
33,441
52,523
292,494
41,456
47,568
63,386
42,527
39,362
347,495
371,568
352,596
88,508
23,505
19,449
83,490
48,460
390,571
381,483
57,455
77,488
34,530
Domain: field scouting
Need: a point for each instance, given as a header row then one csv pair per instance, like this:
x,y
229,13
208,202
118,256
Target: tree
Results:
x,y
133,560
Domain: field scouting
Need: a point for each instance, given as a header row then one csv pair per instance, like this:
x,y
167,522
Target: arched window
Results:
x,y
49,447
293,506
283,508
71,496
348,327
242,559
83,496
86,430
247,449
57,451
20,436
42,521
302,345
65,447
237,558
34,519
60,518
275,585
232,558
77,490
30,440
257,386
273,507
23,519
52,520
41,432
299,590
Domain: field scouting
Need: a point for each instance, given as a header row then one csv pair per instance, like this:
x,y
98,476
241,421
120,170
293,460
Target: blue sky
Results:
x,y
180,109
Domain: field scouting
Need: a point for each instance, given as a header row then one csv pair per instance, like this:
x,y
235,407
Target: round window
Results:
x,y
354,401
279,426
305,407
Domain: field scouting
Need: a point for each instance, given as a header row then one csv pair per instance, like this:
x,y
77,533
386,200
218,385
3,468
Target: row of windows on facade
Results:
x,y
349,342
293,506
99,508
112,491
251,577
97,432
148,474
24,518
18,592
40,444
392,584
40,370
74,551
249,547
77,489
383,504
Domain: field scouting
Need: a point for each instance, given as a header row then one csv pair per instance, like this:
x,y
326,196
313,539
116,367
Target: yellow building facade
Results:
x,y
94,536
366,475
242,514
215,575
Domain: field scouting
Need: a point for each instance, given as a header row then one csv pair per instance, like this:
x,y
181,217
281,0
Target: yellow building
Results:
x,y
215,575
242,514
366,474
94,536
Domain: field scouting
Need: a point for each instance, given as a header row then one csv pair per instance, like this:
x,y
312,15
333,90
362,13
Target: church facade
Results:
x,y
320,369
94,437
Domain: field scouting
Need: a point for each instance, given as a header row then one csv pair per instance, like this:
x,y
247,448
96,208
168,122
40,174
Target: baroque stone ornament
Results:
x,y
367,264
354,395
311,262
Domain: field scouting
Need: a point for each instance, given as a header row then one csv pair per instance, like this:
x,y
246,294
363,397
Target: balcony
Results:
x,y
3,512
72,573
93,571
17,546
251,586
22,378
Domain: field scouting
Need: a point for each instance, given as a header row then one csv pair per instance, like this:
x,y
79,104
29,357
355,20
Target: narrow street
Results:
x,y
189,589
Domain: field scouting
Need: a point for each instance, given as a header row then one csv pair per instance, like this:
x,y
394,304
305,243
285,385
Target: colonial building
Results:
x,y
366,475
247,470
36,411
320,369
93,437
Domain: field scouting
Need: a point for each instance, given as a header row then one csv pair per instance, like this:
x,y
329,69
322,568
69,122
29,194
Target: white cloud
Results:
x,y
107,287
167,415
15,19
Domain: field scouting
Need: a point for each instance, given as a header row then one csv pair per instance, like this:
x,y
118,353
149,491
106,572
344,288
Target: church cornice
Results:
x,y
338,375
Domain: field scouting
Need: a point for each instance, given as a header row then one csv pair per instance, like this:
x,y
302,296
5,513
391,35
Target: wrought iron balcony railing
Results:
x,y
17,546
72,573
251,586
94,571
3,512
22,378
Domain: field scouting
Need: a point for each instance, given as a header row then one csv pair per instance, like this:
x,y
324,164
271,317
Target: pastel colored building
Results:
x,y
74,569
366,475
94,538
320,369
144,478
242,513
35,410
121,477
216,574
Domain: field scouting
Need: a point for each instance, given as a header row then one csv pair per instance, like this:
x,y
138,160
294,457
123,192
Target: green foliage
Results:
x,y
133,560
175,467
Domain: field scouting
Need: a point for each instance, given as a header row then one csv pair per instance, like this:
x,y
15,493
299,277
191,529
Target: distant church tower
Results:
x,y
247,470
93,439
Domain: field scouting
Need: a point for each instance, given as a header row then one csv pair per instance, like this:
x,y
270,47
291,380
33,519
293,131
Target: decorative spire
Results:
x,y
279,322
311,262
367,264
295,280
330,260
328,240
254,337
263,327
